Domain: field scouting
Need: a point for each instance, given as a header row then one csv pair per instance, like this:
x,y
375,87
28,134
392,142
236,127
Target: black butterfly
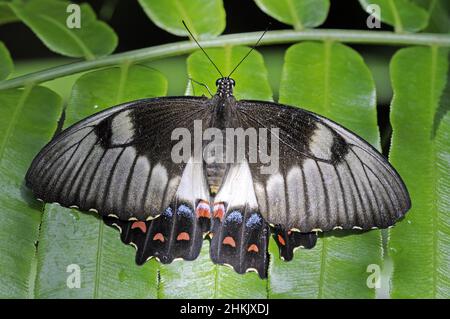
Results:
x,y
119,163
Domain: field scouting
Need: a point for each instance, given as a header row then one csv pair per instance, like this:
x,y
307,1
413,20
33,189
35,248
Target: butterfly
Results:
x,y
120,164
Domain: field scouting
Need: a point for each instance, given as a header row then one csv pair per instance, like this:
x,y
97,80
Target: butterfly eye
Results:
x,y
232,82
218,82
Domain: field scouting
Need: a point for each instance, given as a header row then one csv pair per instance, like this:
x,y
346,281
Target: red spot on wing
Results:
x,y
183,236
159,237
289,232
219,210
229,241
203,209
253,248
141,225
281,240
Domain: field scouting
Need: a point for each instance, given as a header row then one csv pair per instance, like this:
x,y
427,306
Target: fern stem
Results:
x,y
271,38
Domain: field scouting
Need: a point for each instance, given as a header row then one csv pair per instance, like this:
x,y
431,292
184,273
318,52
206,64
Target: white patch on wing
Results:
x,y
119,178
364,192
122,128
261,197
350,199
172,187
321,142
276,199
138,182
296,196
237,190
97,190
334,193
156,189
315,194
193,184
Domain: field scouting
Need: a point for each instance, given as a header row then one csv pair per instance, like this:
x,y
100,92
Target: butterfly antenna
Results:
x,y
192,36
250,51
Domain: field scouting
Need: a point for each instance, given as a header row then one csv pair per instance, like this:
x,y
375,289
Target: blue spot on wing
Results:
x,y
254,221
185,211
168,212
235,216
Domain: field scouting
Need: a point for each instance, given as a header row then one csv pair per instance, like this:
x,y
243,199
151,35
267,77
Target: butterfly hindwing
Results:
x,y
289,240
178,231
240,239
174,234
239,233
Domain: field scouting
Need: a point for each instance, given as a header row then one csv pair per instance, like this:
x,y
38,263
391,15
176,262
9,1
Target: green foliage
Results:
x,y
205,19
6,63
439,15
421,153
298,13
28,120
98,90
6,14
47,18
403,15
39,242
439,11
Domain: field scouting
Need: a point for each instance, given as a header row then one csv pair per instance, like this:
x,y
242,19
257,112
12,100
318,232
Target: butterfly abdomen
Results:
x,y
215,173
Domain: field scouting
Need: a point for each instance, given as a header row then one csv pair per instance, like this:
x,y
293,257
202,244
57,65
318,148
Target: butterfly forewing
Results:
x,y
118,162
327,178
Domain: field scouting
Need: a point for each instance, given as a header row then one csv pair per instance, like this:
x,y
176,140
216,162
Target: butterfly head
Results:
x,y
225,86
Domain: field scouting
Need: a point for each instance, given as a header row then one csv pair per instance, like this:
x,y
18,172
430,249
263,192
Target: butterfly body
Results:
x,y
303,173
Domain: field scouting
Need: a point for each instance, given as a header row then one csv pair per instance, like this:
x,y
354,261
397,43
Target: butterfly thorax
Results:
x,y
223,117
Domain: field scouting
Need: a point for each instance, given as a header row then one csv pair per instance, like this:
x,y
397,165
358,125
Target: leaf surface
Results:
x,y
300,14
205,18
51,22
420,150
403,15
6,63
27,121
6,14
439,13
